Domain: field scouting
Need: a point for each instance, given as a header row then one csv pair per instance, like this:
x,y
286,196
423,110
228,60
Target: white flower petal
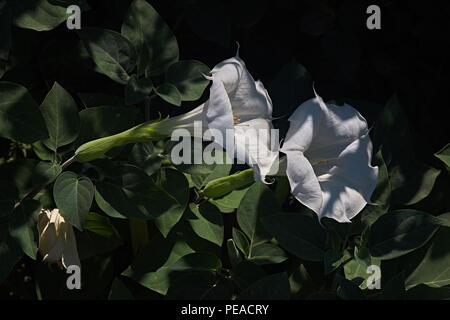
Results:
x,y
70,253
340,202
254,146
304,184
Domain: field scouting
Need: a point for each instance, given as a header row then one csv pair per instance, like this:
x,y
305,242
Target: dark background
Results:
x,y
407,57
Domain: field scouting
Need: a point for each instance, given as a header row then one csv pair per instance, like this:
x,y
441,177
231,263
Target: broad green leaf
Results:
x,y
98,236
119,291
241,241
99,122
113,54
207,222
45,173
233,253
219,187
400,232
444,155
8,197
169,93
188,77
444,219
20,117
231,201
258,202
203,173
133,194
137,90
412,183
22,226
381,196
42,15
348,290
145,156
297,233
144,27
199,261
273,287
333,260
155,273
175,184
267,253
73,196
18,174
10,252
434,268
60,113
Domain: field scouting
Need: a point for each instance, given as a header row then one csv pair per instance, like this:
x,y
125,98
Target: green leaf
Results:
x,y
219,187
20,117
187,77
231,201
203,173
199,261
333,260
73,196
400,232
22,226
169,93
144,27
113,54
241,241
137,89
119,291
267,253
381,196
207,222
273,287
145,156
99,122
297,233
175,184
8,197
444,155
233,253
434,268
98,236
42,15
45,173
10,252
135,195
258,202
348,290
60,113
412,183
357,268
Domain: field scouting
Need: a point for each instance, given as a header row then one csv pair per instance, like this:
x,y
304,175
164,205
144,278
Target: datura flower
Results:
x,y
329,152
57,242
242,106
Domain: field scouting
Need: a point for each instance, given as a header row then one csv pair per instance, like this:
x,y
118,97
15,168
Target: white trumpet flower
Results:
x,y
242,106
329,153
57,242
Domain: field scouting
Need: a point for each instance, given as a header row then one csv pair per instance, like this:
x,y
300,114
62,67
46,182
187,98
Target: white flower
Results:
x,y
329,159
57,242
239,104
